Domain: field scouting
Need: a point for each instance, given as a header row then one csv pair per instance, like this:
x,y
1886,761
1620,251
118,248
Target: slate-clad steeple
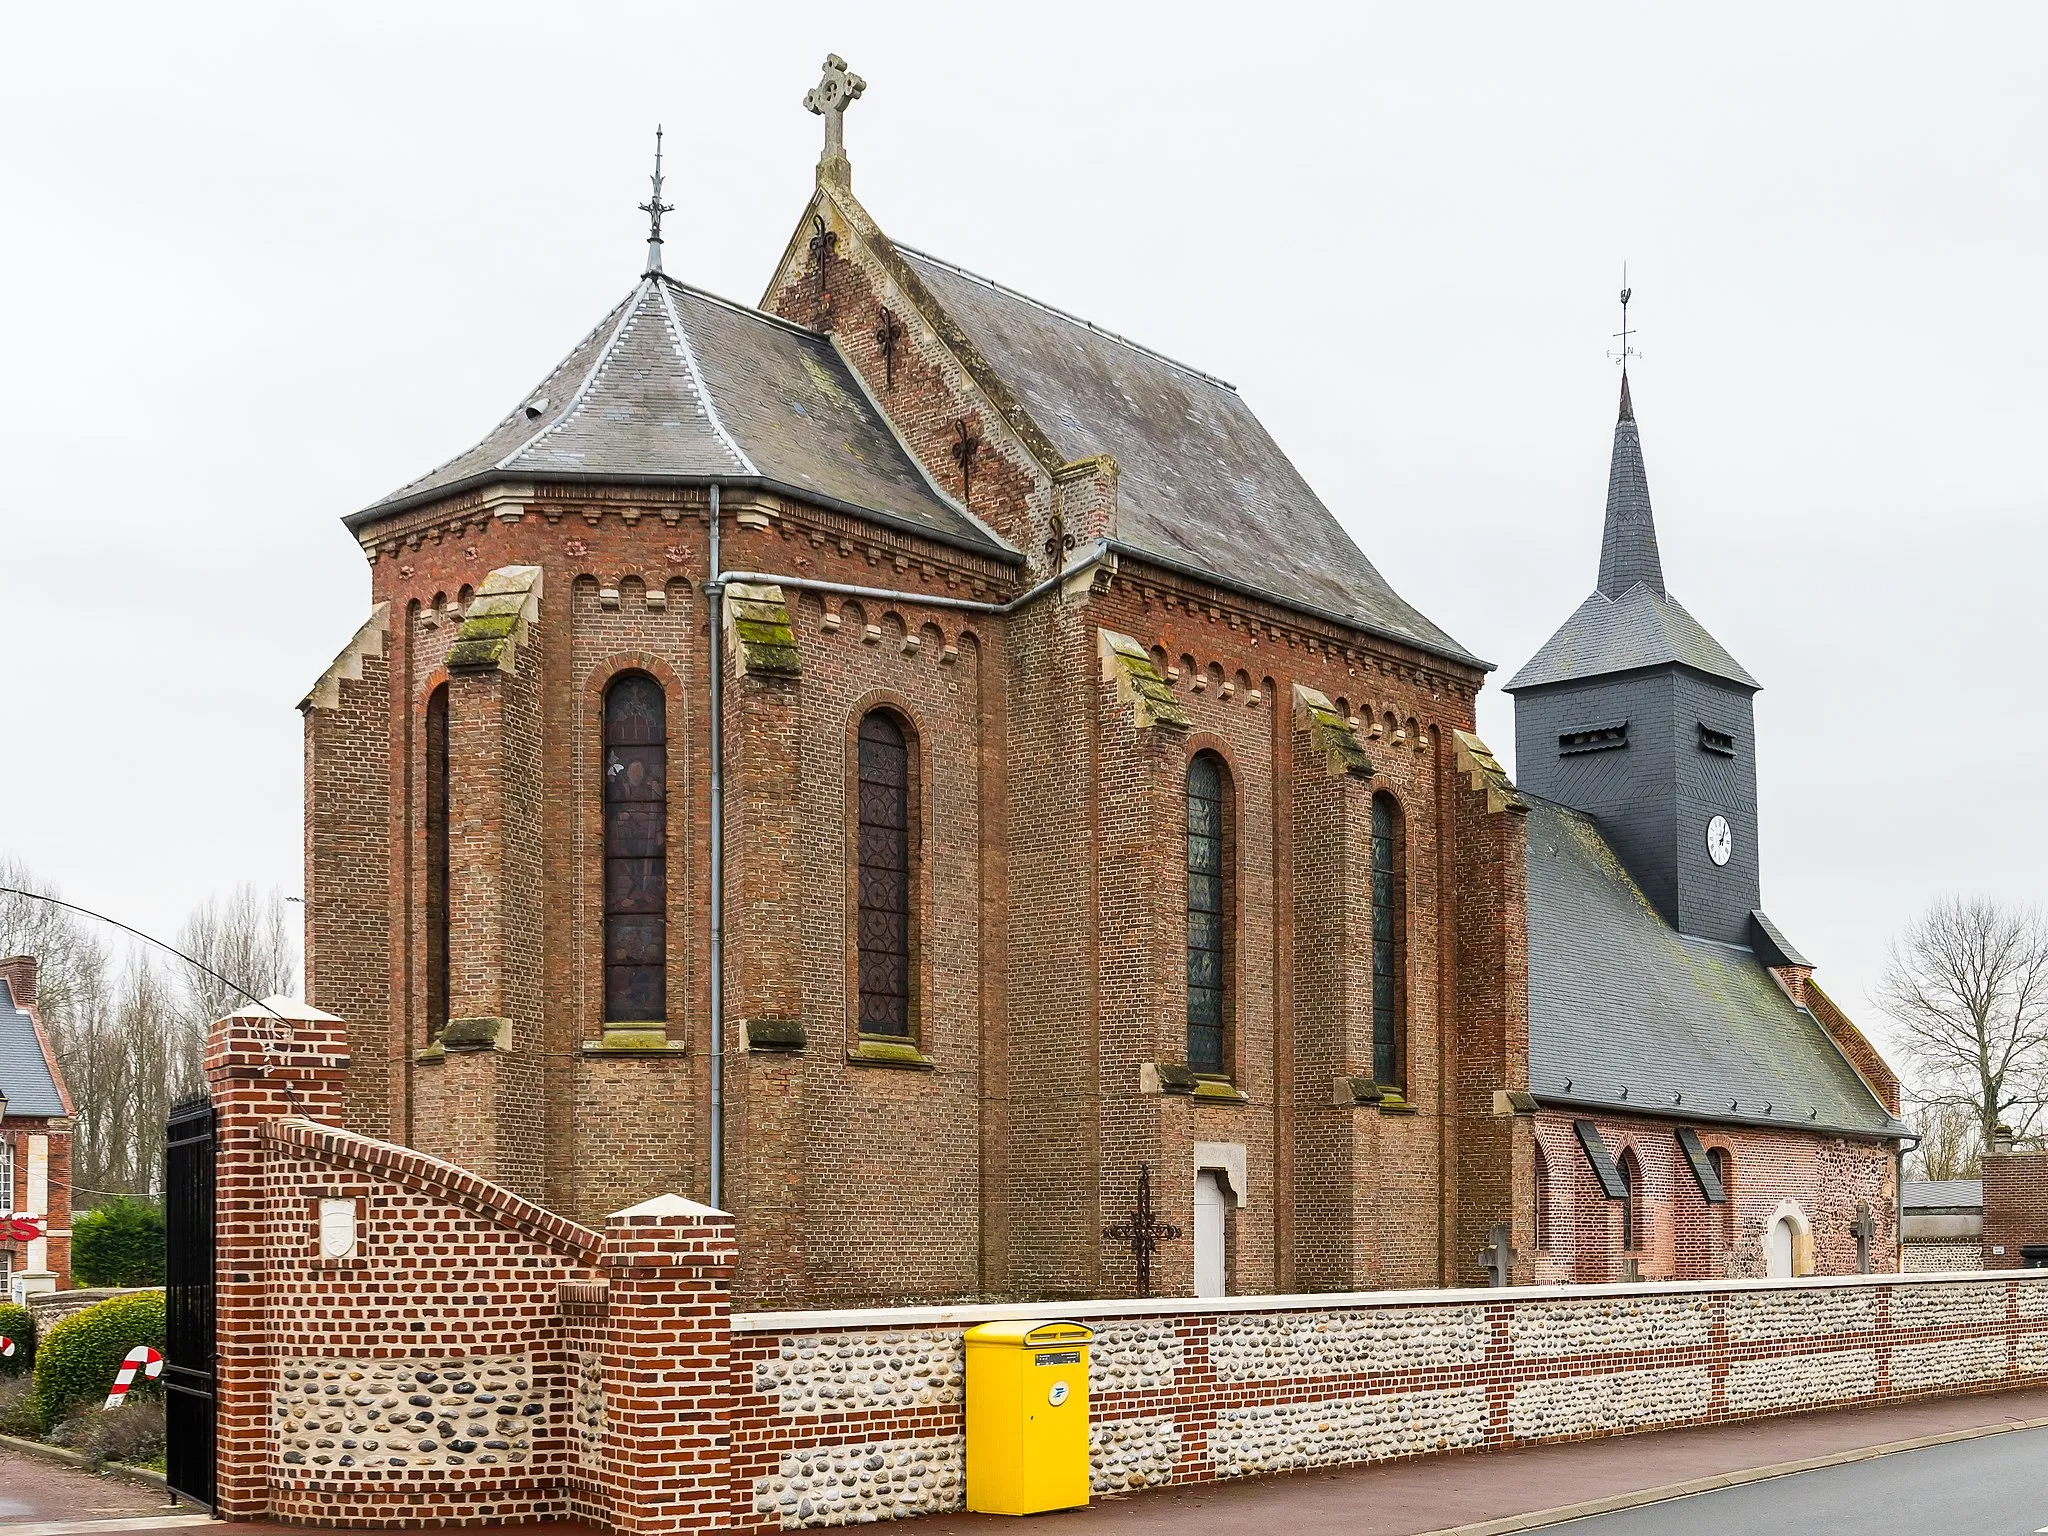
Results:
x,y
1635,715
1628,547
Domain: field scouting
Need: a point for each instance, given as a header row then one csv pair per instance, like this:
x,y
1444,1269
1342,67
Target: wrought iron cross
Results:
x,y
965,447
824,243
654,208
1143,1231
1498,1257
1865,1229
835,91
887,334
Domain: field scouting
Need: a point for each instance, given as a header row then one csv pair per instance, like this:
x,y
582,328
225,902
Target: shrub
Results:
x,y
18,1324
17,1408
133,1432
76,1360
119,1243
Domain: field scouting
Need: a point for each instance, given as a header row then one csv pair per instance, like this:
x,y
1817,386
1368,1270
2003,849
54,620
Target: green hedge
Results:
x,y
76,1360
119,1243
18,1324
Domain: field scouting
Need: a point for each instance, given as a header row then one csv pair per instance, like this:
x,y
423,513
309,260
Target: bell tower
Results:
x,y
1633,714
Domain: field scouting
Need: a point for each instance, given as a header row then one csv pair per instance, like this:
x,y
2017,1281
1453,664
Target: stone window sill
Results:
x,y
633,1040
1217,1090
888,1051
1391,1103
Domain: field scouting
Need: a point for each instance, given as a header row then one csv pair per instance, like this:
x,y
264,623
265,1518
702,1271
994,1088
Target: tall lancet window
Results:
x,y
1389,944
1211,916
436,797
635,851
886,878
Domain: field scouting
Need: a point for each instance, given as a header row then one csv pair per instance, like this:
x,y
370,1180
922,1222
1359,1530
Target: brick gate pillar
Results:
x,y
667,1367
259,1067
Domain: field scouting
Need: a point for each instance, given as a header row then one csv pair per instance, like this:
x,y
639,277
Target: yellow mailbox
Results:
x,y
1027,1417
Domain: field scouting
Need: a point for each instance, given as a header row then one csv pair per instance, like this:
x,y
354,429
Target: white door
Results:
x,y
1209,1198
1778,1250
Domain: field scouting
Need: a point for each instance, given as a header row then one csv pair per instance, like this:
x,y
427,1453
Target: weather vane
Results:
x,y
654,208
1624,333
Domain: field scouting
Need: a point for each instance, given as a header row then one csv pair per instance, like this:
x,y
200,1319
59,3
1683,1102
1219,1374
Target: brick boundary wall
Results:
x,y
2015,1206
538,1368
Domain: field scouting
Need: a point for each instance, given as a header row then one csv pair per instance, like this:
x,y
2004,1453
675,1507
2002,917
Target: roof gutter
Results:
x,y
1709,1117
355,522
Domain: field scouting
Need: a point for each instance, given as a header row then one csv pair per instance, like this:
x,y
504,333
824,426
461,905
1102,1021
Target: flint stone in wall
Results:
x,y
1578,1405
860,1484
844,1372
336,1418
2030,1353
1134,1357
1547,1329
2033,1298
1947,1363
1938,1306
1802,1379
590,1411
1281,1438
1933,1258
1264,1346
1131,1453
1759,1315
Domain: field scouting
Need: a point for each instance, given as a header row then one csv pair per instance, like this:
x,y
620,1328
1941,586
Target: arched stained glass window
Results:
x,y
635,851
1542,1200
1389,944
886,878
1210,915
436,798
1632,1232
1724,1170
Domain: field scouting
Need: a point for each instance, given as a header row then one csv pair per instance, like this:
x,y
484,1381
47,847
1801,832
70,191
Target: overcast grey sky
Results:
x,y
264,263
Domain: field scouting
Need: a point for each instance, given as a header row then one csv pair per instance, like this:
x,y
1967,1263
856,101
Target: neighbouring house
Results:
x,y
2015,1207
35,1142
1942,1224
1103,837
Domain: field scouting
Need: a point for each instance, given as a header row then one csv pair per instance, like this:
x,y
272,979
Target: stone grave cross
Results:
x,y
1865,1229
1498,1257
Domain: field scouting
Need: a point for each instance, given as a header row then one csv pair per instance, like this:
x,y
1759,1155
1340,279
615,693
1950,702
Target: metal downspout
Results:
x,y
714,589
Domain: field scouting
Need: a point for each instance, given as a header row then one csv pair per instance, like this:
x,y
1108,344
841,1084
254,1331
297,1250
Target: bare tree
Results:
x,y
1951,1144
1967,986
249,938
70,961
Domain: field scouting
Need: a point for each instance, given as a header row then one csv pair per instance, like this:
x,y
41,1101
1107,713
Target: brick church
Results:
x,y
919,770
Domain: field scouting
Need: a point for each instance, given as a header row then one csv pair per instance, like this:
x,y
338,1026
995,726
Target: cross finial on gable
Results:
x,y
836,90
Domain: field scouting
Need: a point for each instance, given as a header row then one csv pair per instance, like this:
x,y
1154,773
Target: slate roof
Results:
x,y
1201,484
679,385
1618,999
1630,621
1942,1195
26,1076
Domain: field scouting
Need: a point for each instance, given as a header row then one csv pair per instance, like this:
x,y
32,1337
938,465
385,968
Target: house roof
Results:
x,y
677,385
1627,1014
1942,1195
27,1075
1201,485
1630,621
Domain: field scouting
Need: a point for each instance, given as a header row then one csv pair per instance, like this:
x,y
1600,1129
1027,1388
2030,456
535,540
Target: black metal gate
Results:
x,y
188,1298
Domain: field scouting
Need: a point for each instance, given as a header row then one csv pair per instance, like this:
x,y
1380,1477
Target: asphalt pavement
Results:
x,y
1996,1486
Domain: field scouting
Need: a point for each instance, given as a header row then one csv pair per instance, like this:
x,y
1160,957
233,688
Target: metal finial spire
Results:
x,y
654,208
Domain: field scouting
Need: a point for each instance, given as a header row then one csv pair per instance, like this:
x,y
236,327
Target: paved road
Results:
x,y
1990,1487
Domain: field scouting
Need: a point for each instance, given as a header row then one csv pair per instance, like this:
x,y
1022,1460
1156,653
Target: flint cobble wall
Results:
x,y
846,1418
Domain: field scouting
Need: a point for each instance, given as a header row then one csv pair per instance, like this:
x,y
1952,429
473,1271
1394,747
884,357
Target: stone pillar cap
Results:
x,y
666,1205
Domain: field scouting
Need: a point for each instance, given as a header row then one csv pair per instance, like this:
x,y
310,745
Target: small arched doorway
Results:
x,y
1778,1249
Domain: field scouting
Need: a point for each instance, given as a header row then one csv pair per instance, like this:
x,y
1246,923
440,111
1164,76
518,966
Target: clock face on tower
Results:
x,y
1720,840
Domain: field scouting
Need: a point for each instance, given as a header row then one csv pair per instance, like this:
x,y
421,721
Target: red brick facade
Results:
x,y
38,1155
2015,1208
1050,882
